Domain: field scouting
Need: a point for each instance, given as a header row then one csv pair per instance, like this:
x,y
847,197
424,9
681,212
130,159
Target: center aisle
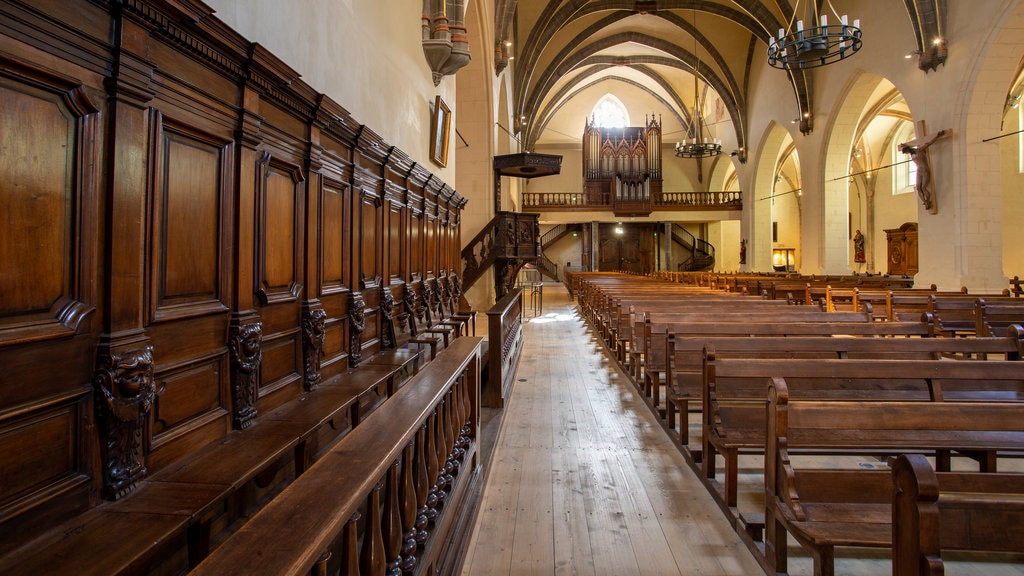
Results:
x,y
583,480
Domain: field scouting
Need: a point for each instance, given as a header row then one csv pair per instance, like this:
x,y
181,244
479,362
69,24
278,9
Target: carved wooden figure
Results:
x,y
246,355
126,390
357,323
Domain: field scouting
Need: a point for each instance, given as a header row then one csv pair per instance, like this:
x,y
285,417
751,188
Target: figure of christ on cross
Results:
x,y
918,150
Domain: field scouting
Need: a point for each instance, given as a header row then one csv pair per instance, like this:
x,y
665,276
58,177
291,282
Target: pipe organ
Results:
x,y
622,166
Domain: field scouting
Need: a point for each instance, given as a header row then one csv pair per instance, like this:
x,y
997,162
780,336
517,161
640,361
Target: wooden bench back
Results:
x,y
799,328
889,426
951,510
1000,317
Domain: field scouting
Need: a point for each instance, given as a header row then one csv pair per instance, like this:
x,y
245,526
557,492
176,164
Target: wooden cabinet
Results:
x,y
901,249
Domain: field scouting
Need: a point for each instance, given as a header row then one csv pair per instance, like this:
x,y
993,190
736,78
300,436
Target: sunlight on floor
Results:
x,y
552,317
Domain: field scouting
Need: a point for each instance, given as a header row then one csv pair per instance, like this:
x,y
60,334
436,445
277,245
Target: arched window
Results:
x,y
904,170
610,113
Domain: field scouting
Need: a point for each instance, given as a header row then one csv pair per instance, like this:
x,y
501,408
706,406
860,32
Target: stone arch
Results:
x,y
756,226
830,221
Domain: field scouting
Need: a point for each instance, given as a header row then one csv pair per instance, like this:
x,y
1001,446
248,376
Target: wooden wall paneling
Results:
x,y
415,203
185,187
49,295
369,242
280,198
315,257
334,232
397,243
188,287
125,356
430,229
397,173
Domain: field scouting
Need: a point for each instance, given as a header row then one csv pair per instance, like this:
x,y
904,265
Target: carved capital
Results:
x,y
245,343
125,390
314,324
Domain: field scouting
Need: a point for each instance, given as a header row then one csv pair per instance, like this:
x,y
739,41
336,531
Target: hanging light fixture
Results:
x,y
799,48
701,146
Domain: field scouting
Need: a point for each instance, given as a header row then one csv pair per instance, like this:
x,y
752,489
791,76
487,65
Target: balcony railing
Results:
x,y
582,201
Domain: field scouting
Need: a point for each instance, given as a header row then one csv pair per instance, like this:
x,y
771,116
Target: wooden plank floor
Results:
x,y
584,480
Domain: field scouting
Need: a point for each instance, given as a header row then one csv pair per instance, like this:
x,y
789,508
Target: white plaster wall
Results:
x,y
367,56
1013,197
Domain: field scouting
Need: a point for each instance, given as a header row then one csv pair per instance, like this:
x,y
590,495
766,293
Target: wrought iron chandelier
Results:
x,y
800,48
700,146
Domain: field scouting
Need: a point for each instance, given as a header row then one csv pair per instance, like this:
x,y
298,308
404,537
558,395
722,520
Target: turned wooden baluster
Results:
x,y
422,477
433,467
464,413
320,568
451,465
350,547
407,502
372,558
467,428
442,452
458,419
392,522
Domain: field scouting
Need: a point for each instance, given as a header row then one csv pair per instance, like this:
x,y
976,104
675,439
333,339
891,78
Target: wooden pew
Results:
x,y
686,355
932,511
827,507
953,316
999,317
428,465
718,326
734,391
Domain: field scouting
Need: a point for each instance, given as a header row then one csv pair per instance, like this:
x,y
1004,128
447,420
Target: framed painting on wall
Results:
x,y
440,128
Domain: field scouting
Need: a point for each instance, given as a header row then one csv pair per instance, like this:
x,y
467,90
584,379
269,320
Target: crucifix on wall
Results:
x,y
918,150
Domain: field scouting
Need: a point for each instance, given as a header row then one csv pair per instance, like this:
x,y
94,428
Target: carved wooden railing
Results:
x,y
702,252
508,241
392,497
505,342
582,201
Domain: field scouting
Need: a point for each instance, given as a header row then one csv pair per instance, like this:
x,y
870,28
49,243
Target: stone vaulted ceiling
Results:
x,y
566,54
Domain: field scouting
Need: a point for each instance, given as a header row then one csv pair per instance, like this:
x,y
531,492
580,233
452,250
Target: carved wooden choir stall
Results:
x,y
209,269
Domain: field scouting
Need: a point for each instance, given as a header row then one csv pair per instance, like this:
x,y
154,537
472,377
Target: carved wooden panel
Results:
x,y
187,392
334,263
41,186
368,237
189,224
415,247
396,242
279,206
430,250
49,152
901,250
28,466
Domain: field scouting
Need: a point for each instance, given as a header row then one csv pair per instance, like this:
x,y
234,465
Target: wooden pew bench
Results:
x,y
406,480
953,316
740,327
735,394
1000,317
827,507
686,355
175,516
933,511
